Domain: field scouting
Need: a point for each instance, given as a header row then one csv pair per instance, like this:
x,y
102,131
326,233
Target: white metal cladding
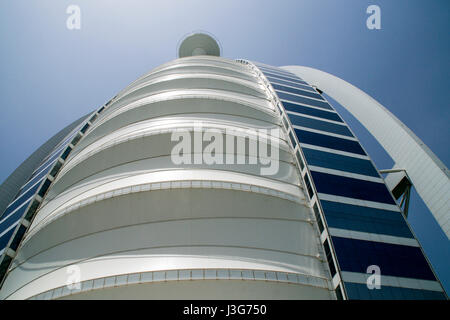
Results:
x,y
428,174
183,103
119,206
125,286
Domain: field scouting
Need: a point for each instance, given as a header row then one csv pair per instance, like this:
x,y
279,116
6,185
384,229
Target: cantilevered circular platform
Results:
x,y
198,44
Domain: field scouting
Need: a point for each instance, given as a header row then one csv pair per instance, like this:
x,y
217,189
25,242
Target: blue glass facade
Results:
x,y
36,184
365,219
340,162
15,219
348,196
358,219
311,112
330,127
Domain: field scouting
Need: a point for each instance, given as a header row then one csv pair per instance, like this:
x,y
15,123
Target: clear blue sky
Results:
x,y
50,76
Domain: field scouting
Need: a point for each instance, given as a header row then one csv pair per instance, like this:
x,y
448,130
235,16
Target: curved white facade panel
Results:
x,y
428,174
137,223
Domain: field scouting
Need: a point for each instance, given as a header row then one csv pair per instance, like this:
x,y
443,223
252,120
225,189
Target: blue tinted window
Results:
x,y
18,237
44,187
339,162
291,137
45,164
292,84
277,71
66,153
92,119
38,177
351,188
359,291
86,126
329,257
318,218
309,187
297,91
311,111
13,218
304,100
16,203
68,138
319,125
271,74
328,141
64,143
393,259
364,219
5,238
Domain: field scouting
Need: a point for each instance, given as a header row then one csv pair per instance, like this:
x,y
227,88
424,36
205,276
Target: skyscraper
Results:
x,y
214,178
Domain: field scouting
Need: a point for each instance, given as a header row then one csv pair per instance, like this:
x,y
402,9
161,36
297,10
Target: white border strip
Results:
x,y
346,174
358,235
357,202
401,282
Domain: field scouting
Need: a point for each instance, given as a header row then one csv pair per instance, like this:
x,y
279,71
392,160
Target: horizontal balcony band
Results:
x,y
162,131
223,64
256,244
182,275
208,98
175,257
285,171
208,60
170,109
204,93
280,171
164,180
195,67
194,81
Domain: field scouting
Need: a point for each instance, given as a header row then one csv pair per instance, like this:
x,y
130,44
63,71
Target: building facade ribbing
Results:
x,y
110,203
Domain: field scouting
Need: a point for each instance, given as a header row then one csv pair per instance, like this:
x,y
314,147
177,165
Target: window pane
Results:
x,y
297,91
365,219
320,125
352,188
292,84
311,111
393,259
23,198
271,74
5,224
304,100
5,238
277,71
328,141
339,162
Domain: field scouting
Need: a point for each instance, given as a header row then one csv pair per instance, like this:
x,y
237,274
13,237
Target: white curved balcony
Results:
x,y
178,103
210,227
122,207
